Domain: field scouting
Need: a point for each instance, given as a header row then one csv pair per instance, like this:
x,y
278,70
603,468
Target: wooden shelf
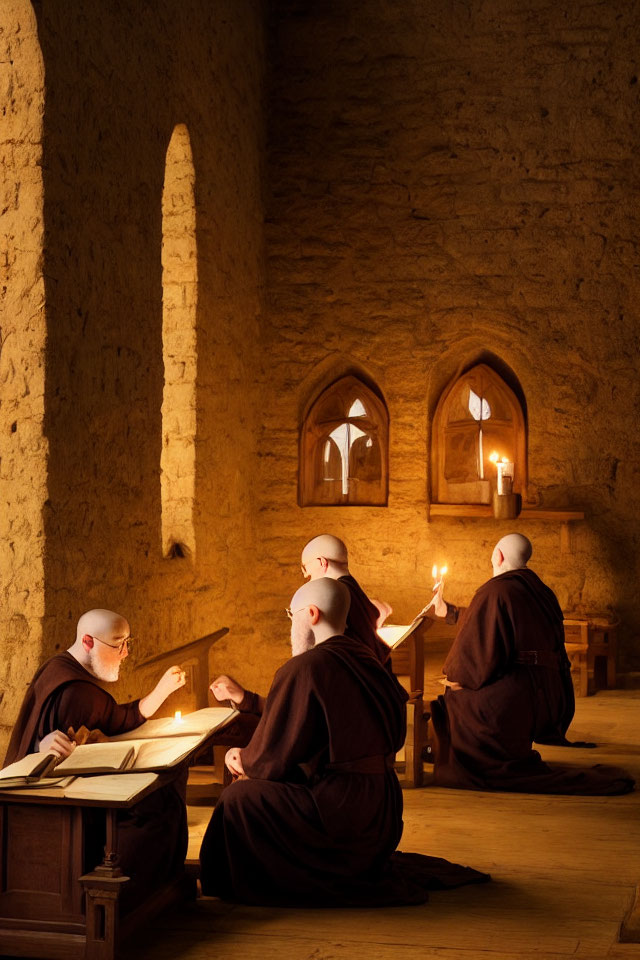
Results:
x,y
484,510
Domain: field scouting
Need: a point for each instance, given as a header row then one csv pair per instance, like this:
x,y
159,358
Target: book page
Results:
x,y
97,756
200,721
125,786
163,752
33,765
395,635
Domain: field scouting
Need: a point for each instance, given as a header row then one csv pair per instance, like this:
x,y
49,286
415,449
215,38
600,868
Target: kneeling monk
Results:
x,y
508,684
316,812
152,835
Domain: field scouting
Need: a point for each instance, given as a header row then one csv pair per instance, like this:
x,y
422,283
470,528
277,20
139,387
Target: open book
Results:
x,y
199,722
135,755
30,769
118,786
155,745
394,635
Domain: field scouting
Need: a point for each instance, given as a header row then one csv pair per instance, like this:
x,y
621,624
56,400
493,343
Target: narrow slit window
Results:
x,y
179,347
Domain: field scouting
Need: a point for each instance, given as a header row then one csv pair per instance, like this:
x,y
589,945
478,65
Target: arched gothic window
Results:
x,y
179,347
477,415
344,447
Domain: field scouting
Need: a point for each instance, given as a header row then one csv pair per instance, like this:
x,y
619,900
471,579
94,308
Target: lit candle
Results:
x,y
178,716
434,574
507,475
500,465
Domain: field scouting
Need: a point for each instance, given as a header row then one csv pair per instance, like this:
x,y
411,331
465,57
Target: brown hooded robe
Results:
x,y
510,659
320,815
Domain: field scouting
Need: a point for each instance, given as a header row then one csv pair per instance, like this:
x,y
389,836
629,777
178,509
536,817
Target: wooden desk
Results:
x,y
50,907
407,659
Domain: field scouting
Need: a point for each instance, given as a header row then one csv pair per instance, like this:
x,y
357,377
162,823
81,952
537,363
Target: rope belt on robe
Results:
x,y
377,764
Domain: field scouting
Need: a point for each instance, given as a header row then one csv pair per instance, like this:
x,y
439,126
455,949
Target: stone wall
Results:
x,y
119,78
446,183
23,447
451,180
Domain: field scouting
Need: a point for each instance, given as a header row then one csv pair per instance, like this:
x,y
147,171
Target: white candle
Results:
x,y
507,475
505,469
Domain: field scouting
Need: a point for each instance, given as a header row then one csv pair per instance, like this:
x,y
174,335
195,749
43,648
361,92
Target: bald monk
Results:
x,y
152,835
315,814
324,556
327,556
508,684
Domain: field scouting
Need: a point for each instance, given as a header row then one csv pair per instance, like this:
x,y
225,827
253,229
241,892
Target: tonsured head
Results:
x,y
318,611
510,553
324,556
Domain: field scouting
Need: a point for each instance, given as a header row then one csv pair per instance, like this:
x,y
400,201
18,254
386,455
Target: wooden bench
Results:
x,y
591,645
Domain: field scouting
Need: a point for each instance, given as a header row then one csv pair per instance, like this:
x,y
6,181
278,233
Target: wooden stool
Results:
x,y
591,646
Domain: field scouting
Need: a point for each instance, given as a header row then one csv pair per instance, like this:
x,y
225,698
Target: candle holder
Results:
x,y
506,506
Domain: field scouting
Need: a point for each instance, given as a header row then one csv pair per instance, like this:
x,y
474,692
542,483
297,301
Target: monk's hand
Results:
x,y
233,761
226,688
452,684
384,610
169,682
57,742
172,680
438,601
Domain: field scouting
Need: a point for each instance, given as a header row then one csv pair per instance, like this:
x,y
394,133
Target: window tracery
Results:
x,y
477,415
344,447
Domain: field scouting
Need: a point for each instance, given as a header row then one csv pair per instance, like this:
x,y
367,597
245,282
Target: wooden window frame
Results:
x,y
316,428
439,486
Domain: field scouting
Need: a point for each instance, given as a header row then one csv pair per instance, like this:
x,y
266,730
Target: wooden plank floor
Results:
x,y
564,874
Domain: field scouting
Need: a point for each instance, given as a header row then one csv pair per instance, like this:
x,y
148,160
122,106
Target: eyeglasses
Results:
x,y
289,612
119,645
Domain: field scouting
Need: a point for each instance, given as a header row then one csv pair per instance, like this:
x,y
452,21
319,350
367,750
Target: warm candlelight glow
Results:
x,y
505,472
178,716
434,571
443,570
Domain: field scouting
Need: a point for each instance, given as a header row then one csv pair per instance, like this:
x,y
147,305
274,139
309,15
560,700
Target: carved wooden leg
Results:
x,y
102,889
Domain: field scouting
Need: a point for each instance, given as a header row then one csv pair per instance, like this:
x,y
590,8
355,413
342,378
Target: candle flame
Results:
x,y
434,571
494,457
443,570
178,716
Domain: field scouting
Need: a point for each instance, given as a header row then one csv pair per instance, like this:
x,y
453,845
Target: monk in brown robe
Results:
x,y
152,835
316,812
327,556
324,556
509,684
